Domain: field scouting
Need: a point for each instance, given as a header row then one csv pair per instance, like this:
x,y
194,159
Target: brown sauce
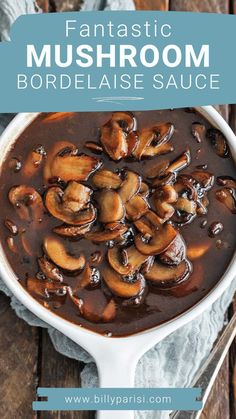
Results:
x,y
215,230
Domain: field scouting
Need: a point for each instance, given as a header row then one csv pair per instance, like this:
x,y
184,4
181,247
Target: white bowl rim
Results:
x,y
84,336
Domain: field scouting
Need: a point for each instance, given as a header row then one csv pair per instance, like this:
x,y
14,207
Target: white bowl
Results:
x,y
119,355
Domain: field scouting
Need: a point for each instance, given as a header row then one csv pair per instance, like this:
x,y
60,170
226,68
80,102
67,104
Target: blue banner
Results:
x,y
119,399
118,60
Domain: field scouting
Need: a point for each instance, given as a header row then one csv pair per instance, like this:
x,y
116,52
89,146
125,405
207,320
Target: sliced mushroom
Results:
x,y
130,186
226,181
145,139
117,261
159,150
148,223
196,251
12,244
144,227
202,205
76,196
93,312
33,162
132,142
43,288
218,142
180,163
86,276
198,131
96,257
113,226
106,179
75,167
122,288
79,303
175,253
57,116
194,282
164,210
186,205
27,203
94,147
90,311
50,270
168,276
56,207
109,313
205,179
111,208
163,198
151,139
56,251
157,169
164,132
72,231
144,190
136,207
85,216
147,265
125,120
167,179
56,148
126,261
228,197
11,226
135,259
106,235
113,140
186,186
159,242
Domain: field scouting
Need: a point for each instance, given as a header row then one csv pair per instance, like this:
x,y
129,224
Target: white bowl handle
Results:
x,y
116,370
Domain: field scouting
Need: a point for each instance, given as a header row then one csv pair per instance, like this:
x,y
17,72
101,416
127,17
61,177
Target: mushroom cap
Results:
x,y
57,253
74,167
58,208
159,242
167,276
110,206
27,202
121,288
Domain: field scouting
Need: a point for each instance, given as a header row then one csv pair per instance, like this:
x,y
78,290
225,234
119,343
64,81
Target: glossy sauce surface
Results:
x,y
156,305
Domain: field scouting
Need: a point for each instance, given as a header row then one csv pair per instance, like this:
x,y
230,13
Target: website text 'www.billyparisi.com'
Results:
x,y
110,400
118,399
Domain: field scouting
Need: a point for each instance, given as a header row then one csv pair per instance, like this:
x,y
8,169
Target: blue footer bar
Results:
x,y
118,399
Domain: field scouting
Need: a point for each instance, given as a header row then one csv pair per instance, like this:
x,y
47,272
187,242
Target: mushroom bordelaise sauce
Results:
x,y
119,221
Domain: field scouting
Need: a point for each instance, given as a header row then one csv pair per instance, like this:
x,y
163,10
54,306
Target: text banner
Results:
x,y
119,399
118,60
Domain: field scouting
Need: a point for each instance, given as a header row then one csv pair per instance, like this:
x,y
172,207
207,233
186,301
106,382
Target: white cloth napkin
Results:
x,y
174,361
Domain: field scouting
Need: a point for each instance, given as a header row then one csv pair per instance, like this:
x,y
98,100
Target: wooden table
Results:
x,y
27,357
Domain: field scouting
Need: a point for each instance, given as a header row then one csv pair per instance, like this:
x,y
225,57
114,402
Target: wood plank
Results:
x,y
18,364
217,405
232,117
151,4
57,370
211,6
65,5
232,367
232,6
44,5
